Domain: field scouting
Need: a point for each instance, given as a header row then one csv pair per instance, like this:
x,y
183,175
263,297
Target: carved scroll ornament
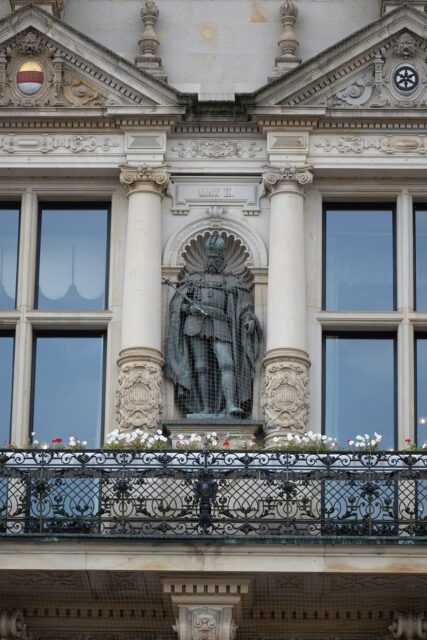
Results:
x,y
139,402
286,402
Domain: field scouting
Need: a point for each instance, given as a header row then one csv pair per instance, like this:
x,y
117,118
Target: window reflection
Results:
x,y
420,228
359,375
73,258
359,271
421,374
6,372
9,231
68,388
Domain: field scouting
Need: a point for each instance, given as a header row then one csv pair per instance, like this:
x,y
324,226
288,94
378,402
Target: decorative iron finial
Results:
x,y
149,42
287,41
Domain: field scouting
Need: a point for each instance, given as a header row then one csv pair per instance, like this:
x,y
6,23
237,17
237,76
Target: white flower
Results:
x,y
324,438
289,437
351,442
214,442
84,443
160,432
366,436
180,436
275,439
374,442
214,433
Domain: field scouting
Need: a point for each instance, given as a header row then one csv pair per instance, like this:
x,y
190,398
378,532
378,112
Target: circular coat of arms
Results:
x,y
29,77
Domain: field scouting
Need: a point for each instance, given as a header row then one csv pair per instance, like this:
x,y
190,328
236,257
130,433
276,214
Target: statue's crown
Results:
x,y
215,244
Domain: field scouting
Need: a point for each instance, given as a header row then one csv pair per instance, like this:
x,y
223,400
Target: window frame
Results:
x,y
66,333
370,334
359,206
10,333
14,204
78,205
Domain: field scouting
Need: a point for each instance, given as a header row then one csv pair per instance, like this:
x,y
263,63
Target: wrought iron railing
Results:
x,y
215,495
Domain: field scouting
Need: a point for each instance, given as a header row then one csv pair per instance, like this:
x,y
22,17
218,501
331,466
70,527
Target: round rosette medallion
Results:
x,y
30,77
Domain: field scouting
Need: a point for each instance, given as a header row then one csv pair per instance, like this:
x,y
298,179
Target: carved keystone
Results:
x,y
206,609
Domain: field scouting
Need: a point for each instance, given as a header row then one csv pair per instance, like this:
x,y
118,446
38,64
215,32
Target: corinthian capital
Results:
x,y
134,178
273,177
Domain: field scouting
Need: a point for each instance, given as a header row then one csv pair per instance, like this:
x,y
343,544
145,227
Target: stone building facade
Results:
x,y
296,129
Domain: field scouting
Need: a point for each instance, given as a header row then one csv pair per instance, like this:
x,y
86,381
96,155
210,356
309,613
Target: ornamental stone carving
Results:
x,y
409,626
12,625
217,148
139,402
45,143
205,623
149,42
405,46
285,402
51,6
274,177
57,85
287,41
144,176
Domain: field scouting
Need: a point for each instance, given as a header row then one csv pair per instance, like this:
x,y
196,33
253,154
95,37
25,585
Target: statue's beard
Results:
x,y
214,267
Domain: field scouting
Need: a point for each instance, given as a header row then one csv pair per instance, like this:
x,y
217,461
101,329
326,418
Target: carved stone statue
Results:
x,y
213,340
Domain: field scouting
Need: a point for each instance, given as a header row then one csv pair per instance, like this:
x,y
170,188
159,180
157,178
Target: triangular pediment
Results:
x,y
75,72
380,66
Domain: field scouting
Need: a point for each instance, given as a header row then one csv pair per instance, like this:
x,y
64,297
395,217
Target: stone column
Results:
x,y
286,400
12,625
206,609
139,399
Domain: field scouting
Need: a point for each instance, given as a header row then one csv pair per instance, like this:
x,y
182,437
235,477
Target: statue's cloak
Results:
x,y
245,347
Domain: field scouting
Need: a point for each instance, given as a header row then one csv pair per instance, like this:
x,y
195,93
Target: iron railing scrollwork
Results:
x,y
213,495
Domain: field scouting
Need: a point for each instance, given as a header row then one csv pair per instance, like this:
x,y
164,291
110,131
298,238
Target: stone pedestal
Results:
x,y
285,401
227,429
139,400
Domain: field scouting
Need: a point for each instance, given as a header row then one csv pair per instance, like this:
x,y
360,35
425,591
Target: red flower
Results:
x,y
56,440
226,444
348,441
408,440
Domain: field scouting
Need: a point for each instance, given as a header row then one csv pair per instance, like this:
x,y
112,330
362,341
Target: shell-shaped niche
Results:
x,y
237,256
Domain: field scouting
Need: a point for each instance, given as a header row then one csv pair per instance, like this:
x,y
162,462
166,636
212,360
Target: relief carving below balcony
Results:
x,y
286,401
139,401
205,623
12,625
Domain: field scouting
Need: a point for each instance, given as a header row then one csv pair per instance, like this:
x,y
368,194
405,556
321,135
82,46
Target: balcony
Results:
x,y
274,496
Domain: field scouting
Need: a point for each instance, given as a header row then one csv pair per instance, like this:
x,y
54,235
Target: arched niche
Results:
x,y
245,249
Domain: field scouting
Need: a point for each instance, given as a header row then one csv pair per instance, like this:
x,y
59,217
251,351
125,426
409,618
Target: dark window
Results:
x,y
6,376
72,269
9,232
420,243
68,387
358,256
359,386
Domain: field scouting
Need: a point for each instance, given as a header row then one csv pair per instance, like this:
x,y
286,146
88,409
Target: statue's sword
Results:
x,y
196,306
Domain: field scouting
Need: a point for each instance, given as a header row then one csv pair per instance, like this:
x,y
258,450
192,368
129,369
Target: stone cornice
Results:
x,y
275,177
144,177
